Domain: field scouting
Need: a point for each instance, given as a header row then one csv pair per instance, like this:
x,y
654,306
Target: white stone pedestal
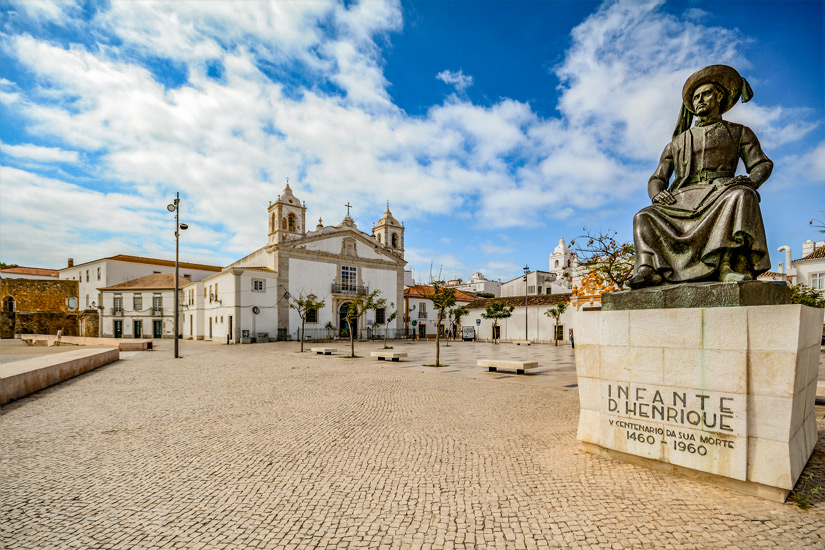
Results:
x,y
722,394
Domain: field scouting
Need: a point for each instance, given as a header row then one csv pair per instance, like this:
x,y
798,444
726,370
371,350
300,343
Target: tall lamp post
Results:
x,y
526,271
175,207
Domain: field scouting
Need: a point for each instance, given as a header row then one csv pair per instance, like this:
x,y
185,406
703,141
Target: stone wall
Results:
x,y
40,307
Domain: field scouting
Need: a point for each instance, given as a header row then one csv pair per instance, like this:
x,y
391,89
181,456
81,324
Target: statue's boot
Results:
x,y
728,275
646,276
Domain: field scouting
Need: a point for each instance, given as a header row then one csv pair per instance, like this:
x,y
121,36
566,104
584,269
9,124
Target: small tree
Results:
x,y
602,253
359,305
496,311
443,299
382,303
556,313
305,305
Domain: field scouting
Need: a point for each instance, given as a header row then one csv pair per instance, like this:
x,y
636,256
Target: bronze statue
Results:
x,y
706,225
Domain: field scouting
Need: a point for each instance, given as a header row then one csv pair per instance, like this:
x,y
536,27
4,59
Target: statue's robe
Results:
x,y
684,241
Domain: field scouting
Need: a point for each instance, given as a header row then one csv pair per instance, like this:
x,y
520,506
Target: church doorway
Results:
x,y
342,320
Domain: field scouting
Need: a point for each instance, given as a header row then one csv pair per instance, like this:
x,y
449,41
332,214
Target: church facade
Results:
x,y
251,297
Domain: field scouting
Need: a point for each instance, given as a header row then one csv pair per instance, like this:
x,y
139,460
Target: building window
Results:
x,y
187,276
157,305
118,305
258,285
87,300
290,220
211,296
531,290
98,273
560,332
8,304
394,240
348,277
216,292
380,316
87,275
422,310
312,316
818,281
137,302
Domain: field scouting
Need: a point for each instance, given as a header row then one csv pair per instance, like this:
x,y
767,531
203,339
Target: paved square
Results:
x,y
259,446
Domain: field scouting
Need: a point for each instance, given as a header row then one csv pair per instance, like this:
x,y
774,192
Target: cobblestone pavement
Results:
x,y
261,447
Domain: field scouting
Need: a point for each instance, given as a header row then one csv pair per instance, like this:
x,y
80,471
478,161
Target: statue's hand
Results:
x,y
741,180
663,197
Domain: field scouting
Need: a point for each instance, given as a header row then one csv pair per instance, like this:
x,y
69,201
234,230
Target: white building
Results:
x,y
141,308
420,317
251,297
107,272
540,327
477,283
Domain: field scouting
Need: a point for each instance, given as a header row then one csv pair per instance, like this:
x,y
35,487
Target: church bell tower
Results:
x,y
287,217
390,233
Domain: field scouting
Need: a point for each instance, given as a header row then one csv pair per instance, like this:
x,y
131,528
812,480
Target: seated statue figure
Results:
x,y
705,225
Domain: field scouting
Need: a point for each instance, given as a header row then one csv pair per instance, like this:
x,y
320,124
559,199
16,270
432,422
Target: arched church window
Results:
x,y
557,263
283,223
291,222
394,240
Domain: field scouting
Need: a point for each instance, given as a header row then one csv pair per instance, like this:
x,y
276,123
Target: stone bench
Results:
x,y
520,342
391,355
324,351
519,366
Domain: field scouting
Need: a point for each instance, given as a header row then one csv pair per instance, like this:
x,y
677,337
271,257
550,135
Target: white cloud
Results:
x,y
457,79
227,144
38,153
490,248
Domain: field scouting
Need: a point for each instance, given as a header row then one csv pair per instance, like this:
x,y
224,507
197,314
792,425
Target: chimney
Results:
x,y
71,262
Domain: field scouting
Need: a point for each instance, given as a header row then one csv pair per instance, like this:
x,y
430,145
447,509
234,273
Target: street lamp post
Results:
x,y
526,271
175,207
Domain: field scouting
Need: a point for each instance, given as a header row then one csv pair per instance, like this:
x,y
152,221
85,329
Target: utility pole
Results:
x,y
175,207
526,271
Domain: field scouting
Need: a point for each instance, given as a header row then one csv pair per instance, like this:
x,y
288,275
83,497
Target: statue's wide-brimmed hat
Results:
x,y
734,85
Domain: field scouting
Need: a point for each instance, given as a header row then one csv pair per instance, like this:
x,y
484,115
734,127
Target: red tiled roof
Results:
x,y
152,261
817,254
534,300
32,271
425,291
155,281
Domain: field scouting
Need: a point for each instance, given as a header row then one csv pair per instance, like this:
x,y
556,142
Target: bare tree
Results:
x,y
443,299
304,306
360,304
602,253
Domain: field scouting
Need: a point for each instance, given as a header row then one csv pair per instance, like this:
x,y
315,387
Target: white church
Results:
x,y
250,298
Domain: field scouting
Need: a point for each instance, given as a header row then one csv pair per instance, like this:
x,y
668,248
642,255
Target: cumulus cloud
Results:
x,y
254,92
457,79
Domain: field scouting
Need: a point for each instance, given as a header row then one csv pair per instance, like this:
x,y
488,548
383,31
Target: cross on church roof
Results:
x,y
348,205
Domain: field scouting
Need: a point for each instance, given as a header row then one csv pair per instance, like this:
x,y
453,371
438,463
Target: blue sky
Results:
x,y
493,128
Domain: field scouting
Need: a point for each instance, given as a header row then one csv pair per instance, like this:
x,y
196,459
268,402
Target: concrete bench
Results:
x,y
519,366
324,351
520,342
391,355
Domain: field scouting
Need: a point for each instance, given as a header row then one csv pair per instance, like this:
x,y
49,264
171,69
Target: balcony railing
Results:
x,y
422,314
157,311
117,312
338,288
